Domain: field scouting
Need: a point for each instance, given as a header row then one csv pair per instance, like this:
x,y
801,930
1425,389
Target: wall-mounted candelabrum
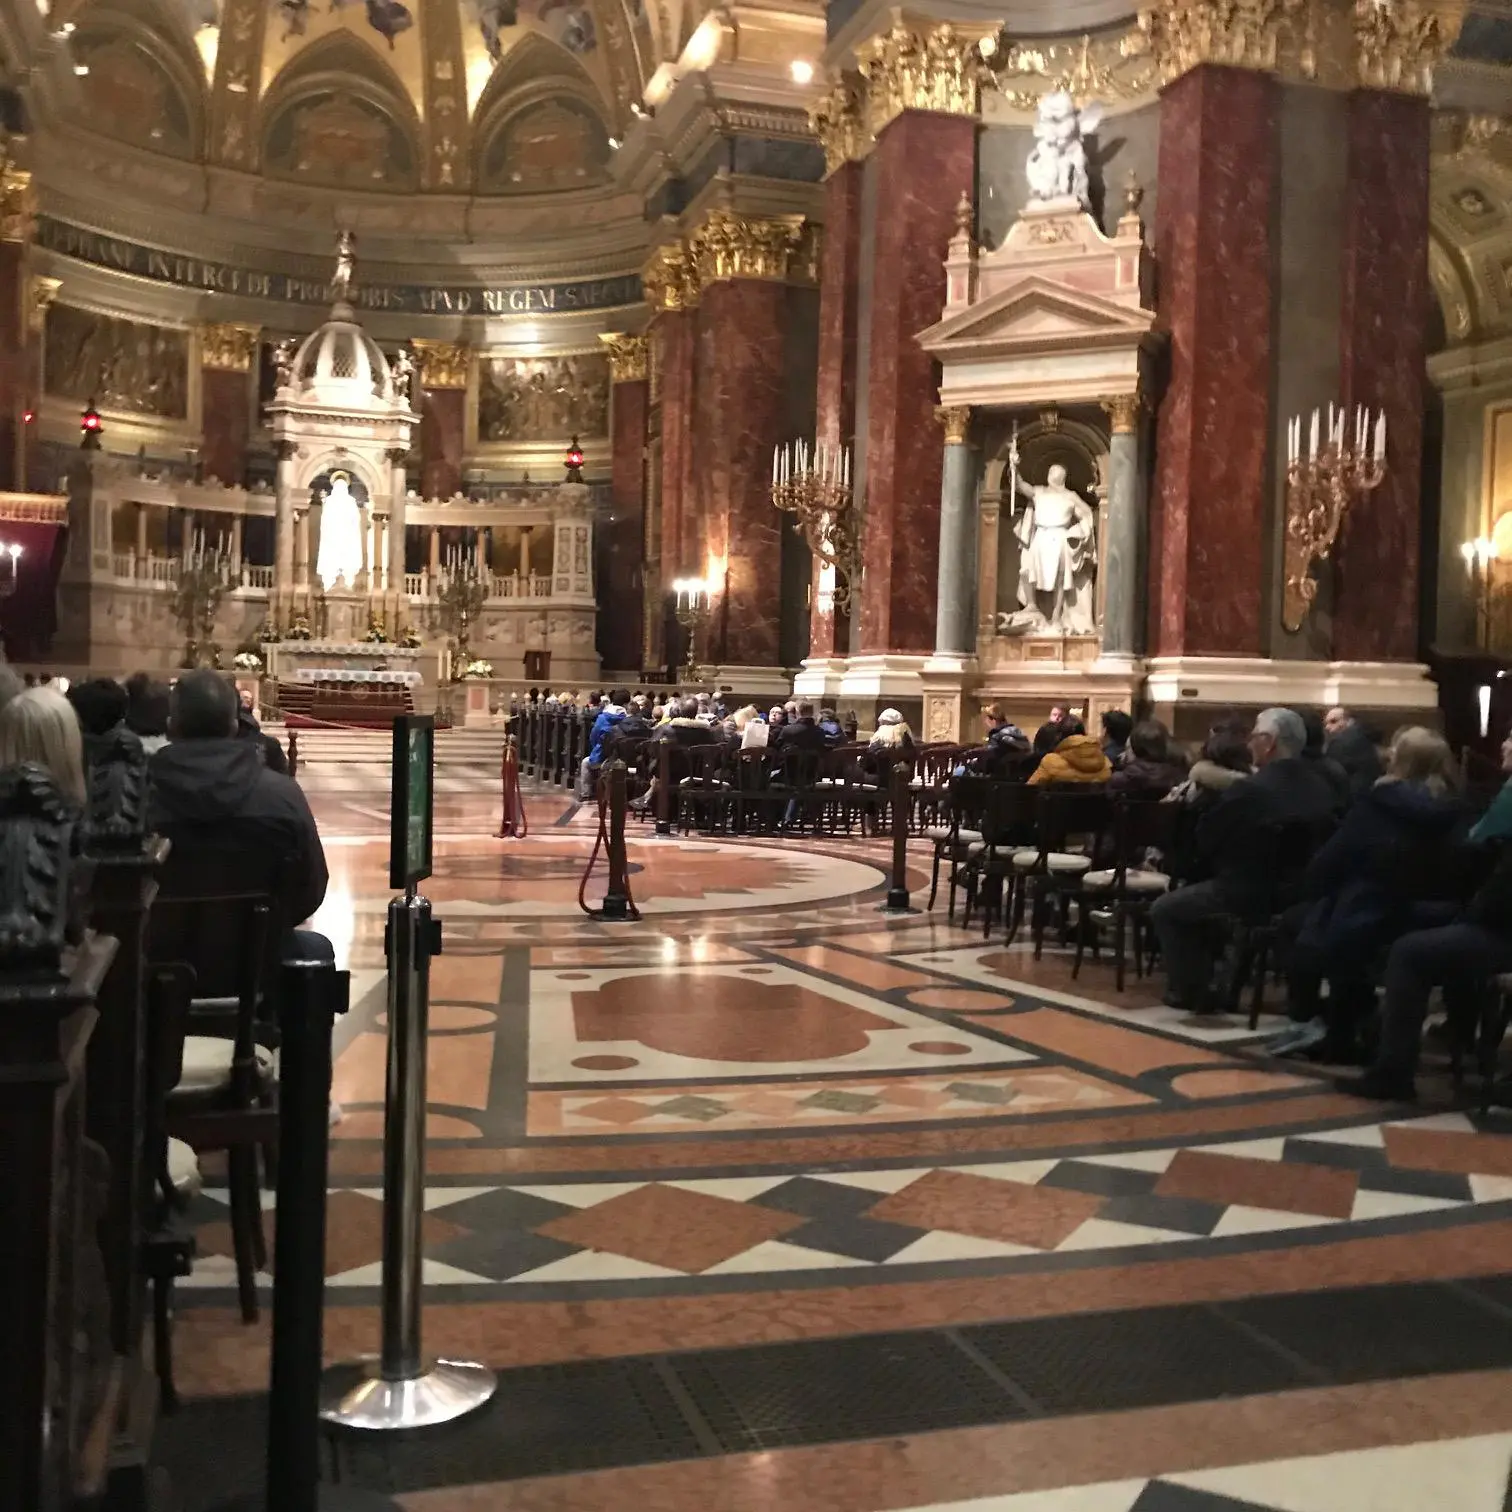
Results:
x,y
691,603
813,484
1480,557
10,568
1328,463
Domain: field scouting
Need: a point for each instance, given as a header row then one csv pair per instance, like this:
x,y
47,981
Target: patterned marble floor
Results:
x,y
770,1115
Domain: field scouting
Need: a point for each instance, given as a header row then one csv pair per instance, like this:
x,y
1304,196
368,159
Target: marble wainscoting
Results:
x,y
1208,519
1382,356
920,166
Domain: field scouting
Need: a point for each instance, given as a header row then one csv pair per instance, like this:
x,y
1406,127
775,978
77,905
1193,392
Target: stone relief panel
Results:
x,y
558,144
543,398
341,140
130,96
119,364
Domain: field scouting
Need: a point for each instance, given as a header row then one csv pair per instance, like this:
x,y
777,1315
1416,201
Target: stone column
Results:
x,y
526,535
302,563
19,337
1218,192
443,370
988,518
621,543
841,130
283,535
141,539
228,355
398,509
739,407
921,107
236,546
955,623
1120,558
1383,353
435,553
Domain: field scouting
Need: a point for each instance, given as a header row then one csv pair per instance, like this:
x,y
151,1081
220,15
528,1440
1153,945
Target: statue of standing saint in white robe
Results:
x,y
1057,539
338,561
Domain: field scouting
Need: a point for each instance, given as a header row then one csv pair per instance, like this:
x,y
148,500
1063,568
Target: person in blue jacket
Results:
x,y
610,715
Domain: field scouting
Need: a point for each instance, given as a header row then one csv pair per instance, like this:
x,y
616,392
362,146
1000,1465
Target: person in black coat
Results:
x,y
1324,764
1348,742
1151,766
1390,861
803,733
1235,842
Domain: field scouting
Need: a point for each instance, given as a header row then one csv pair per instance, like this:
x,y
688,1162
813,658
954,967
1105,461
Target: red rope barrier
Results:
x,y
512,822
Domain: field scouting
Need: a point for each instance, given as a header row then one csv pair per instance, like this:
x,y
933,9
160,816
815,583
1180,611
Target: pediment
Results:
x,y
1037,314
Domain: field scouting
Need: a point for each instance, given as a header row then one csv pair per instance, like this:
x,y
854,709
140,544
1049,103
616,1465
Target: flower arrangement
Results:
x,y
478,668
267,632
299,629
376,635
410,637
247,661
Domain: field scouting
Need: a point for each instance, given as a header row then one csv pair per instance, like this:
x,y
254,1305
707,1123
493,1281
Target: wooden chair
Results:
x,y
1070,824
1125,892
219,913
1007,824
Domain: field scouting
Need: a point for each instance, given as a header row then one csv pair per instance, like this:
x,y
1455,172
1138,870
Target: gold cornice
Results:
x,y
442,364
1398,45
839,121
956,419
627,356
1260,34
938,70
1105,67
228,348
669,280
729,246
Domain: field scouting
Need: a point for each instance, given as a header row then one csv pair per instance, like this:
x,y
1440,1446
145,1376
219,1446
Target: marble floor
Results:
x,y
831,1209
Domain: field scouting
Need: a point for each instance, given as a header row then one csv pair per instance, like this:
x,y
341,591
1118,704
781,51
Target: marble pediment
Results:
x,y
1037,316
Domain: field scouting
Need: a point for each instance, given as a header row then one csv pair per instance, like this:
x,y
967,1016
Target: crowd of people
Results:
x,y
216,782
1368,862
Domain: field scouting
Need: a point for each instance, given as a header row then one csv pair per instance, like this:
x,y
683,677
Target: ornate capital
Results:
x,y
956,418
443,364
938,70
1398,44
627,356
230,348
729,246
43,292
1181,34
669,279
1123,411
839,121
396,456
18,205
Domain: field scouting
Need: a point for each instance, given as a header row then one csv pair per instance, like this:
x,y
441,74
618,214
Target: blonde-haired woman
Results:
x,y
1385,870
39,727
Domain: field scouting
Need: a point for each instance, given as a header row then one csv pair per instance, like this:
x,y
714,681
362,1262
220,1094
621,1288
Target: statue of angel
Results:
x,y
283,361
346,264
1057,165
402,369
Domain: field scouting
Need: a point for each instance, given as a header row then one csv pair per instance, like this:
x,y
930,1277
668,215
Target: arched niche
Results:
x,y
540,127
339,116
146,81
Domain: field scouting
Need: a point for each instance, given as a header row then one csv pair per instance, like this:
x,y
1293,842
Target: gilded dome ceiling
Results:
x,y
491,97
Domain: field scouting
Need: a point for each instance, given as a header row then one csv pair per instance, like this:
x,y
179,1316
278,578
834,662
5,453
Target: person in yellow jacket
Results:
x,y
1078,758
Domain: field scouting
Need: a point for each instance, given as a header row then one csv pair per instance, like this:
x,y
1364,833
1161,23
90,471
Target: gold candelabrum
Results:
x,y
460,600
1344,455
813,484
691,603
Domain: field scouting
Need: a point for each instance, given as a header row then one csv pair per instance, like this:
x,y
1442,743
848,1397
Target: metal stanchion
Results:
x,y
663,787
617,900
313,994
399,1389
897,793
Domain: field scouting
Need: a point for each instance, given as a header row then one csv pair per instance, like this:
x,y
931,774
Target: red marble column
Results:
x,y
1218,185
674,331
15,364
442,436
227,410
1382,342
921,162
835,423
619,539
739,406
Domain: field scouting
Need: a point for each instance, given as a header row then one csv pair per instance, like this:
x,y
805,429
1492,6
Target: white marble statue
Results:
x,y
338,560
1057,536
346,265
1057,166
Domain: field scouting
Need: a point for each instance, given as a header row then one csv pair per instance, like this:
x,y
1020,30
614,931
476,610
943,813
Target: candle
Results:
x,y
1380,436
1312,444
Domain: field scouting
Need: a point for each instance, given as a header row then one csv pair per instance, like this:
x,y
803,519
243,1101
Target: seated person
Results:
x,y
803,734
685,728
212,791
834,731
1329,769
1077,757
1117,726
1235,844
1460,958
609,717
1348,742
1394,853
247,728
1496,822
1008,754
38,727
147,710
1225,760
100,704
754,731
776,718
634,726
1151,766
